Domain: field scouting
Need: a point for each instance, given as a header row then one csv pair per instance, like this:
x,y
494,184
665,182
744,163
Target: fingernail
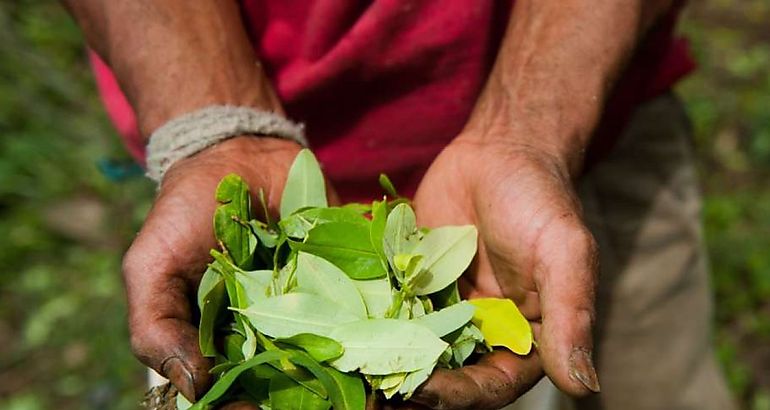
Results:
x,y
581,368
176,371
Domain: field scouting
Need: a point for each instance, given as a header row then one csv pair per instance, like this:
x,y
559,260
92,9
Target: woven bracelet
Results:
x,y
191,133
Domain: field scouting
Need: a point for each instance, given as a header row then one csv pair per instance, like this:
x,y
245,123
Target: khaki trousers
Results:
x,y
653,332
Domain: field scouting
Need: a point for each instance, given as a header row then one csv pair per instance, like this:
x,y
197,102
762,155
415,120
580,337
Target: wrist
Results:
x,y
554,133
256,159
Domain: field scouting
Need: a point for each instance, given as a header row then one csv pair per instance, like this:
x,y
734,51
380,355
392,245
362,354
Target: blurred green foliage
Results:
x,y
729,101
64,225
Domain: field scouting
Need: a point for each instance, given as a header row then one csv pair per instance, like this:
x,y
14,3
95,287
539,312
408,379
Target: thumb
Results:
x,y
565,275
162,335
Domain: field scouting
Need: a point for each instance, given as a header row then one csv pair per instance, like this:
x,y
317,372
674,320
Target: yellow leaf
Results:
x,y
502,324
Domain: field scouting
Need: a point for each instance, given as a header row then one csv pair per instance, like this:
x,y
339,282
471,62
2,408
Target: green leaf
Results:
x,y
298,224
182,403
255,284
447,320
266,237
320,348
464,343
414,380
304,185
320,277
211,312
220,387
387,186
295,313
502,324
446,297
399,236
386,346
379,220
377,295
286,394
249,347
346,391
209,279
347,246
390,384
230,218
448,251
358,208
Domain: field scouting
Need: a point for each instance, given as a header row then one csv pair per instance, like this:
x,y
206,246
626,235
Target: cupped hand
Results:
x,y
164,264
534,249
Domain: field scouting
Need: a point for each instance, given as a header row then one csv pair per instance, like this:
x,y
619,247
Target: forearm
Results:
x,y
556,66
174,56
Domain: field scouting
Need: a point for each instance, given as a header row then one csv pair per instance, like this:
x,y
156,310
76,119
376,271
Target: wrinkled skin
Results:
x,y
164,265
533,248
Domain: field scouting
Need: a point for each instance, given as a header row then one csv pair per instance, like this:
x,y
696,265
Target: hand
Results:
x,y
534,249
164,265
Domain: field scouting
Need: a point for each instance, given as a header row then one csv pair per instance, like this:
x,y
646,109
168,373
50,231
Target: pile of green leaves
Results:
x,y
300,313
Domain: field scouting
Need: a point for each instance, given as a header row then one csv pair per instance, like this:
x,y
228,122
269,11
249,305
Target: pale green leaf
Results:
x,y
295,313
391,384
347,246
377,295
320,277
304,185
447,320
249,347
448,251
255,284
209,279
386,346
400,232
414,380
182,403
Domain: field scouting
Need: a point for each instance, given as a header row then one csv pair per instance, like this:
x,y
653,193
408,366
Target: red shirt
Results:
x,y
384,85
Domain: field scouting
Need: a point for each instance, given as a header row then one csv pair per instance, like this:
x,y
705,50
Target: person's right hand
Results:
x,y
164,264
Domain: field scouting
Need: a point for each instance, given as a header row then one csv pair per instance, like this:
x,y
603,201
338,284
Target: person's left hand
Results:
x,y
533,248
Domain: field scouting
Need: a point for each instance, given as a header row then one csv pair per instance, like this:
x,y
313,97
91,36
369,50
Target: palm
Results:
x,y
531,243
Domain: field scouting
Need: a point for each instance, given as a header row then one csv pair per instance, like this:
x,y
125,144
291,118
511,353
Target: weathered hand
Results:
x,y
166,260
534,249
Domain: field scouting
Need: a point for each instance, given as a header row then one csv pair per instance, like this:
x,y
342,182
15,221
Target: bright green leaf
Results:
x,y
387,186
286,394
220,387
230,219
318,347
347,246
346,391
